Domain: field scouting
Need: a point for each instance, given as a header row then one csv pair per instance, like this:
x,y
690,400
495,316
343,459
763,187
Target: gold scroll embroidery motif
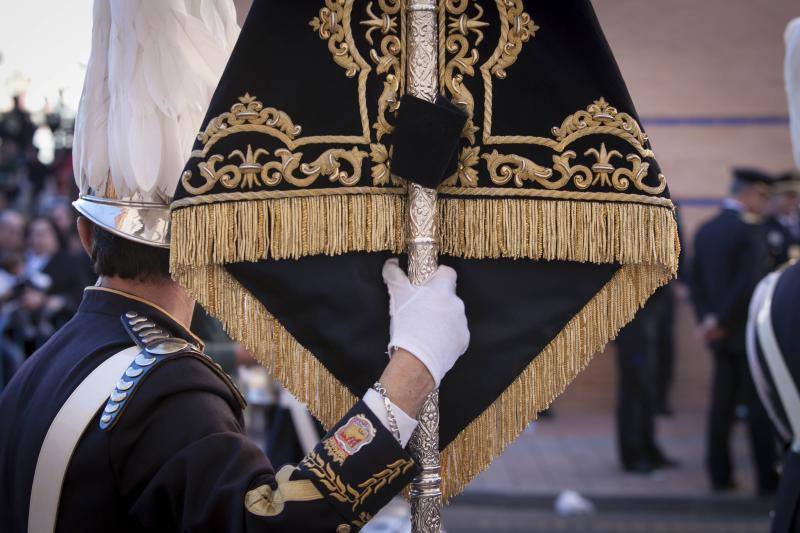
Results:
x,y
598,118
464,56
344,492
333,24
502,168
246,174
387,60
249,114
516,29
250,111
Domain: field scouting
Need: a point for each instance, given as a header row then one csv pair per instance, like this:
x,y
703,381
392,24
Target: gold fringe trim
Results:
x,y
285,228
485,438
559,230
246,320
587,333
281,228
643,238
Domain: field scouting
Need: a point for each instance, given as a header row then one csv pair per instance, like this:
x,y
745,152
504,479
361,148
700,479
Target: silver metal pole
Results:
x,y
423,82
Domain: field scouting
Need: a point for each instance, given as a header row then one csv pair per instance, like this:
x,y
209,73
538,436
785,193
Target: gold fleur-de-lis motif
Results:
x,y
249,167
464,24
385,23
603,168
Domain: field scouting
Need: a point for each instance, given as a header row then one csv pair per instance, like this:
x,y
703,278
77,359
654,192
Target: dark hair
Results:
x,y
113,255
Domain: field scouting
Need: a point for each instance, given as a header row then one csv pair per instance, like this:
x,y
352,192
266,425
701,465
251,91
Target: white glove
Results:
x,y
427,320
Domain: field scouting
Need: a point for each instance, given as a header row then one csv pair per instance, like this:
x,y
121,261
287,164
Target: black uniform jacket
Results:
x,y
729,260
783,315
175,458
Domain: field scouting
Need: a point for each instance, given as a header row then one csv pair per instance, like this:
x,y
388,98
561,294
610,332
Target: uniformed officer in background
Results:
x,y
729,258
783,226
166,450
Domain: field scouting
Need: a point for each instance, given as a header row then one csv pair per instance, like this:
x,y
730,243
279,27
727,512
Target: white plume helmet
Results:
x,y
791,73
153,68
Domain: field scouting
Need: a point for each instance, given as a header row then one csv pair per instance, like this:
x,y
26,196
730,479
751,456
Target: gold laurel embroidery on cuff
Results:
x,y
266,501
344,492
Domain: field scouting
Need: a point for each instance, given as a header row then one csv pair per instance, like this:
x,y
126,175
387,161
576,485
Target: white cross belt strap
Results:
x,y
784,384
63,436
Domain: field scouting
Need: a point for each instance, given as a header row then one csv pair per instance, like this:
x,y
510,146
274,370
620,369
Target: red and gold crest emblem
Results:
x,y
351,437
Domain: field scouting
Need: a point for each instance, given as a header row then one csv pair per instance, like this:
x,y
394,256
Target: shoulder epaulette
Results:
x,y
157,345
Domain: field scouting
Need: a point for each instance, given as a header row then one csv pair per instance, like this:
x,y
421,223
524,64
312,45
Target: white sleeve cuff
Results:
x,y
405,423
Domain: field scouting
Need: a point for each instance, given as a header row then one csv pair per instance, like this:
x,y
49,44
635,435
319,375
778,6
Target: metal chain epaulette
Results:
x,y
156,345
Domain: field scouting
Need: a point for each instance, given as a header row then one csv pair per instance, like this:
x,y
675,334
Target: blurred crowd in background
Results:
x,y
43,268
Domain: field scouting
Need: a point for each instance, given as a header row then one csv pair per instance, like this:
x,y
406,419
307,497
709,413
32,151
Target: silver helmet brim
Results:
x,y
142,222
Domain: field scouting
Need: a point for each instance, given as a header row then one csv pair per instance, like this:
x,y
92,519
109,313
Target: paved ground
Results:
x,y
574,451
459,519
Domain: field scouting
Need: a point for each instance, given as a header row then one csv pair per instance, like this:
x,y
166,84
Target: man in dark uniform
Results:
x,y
773,341
783,226
773,349
729,259
120,422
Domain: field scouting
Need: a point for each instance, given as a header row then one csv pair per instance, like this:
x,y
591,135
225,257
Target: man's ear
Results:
x,y
86,233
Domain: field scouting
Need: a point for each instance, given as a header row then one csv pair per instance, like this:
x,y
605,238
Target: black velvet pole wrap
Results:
x,y
425,138
552,208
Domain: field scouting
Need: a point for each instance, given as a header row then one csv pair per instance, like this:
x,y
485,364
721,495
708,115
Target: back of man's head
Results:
x,y
119,257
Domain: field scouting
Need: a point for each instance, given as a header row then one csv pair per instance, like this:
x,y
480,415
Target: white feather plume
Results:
x,y
791,73
90,145
153,68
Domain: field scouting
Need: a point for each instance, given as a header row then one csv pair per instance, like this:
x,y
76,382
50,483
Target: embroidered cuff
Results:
x,y
358,466
425,139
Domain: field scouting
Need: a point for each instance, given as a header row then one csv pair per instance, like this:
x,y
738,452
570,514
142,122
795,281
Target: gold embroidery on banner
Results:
x,y
246,174
344,492
388,60
248,110
465,57
466,174
601,174
516,28
601,113
503,167
333,24
381,170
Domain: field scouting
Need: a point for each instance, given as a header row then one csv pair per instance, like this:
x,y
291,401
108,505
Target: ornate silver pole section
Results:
x,y
423,82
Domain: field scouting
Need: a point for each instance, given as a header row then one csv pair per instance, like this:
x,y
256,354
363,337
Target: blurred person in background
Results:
x,y
47,291
16,125
637,346
783,226
62,214
47,255
729,258
12,231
